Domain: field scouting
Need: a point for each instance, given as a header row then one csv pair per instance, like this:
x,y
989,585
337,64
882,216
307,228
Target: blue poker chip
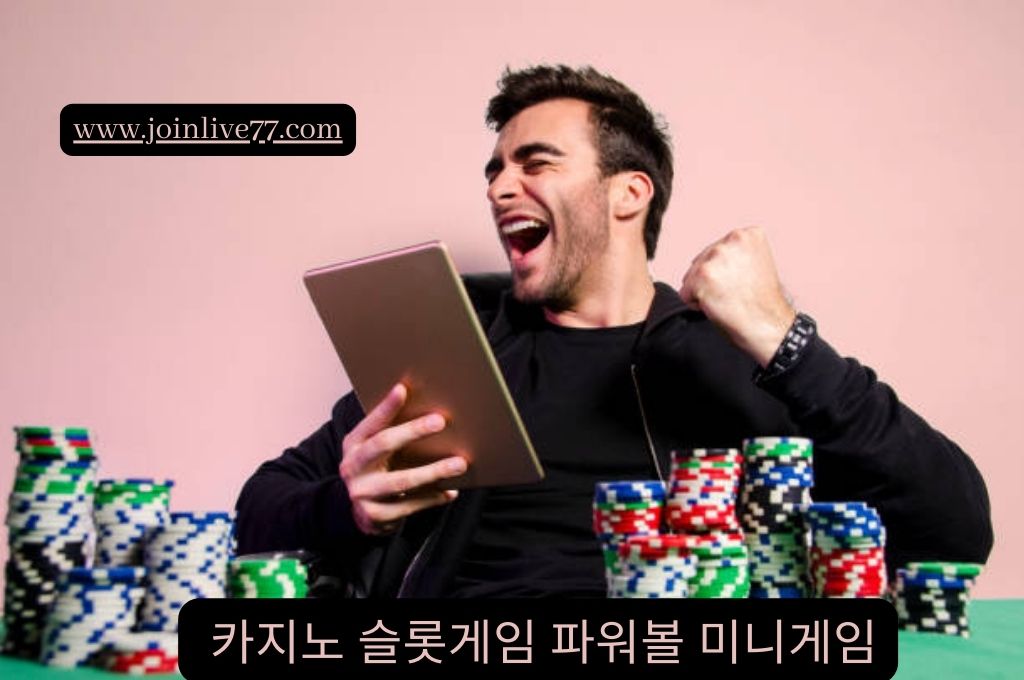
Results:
x,y
108,575
854,507
921,580
628,491
776,593
200,517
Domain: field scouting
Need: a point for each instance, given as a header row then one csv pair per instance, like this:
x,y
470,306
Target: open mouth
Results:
x,y
522,236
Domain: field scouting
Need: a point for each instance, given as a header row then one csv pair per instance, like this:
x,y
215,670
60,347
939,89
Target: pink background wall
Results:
x,y
159,301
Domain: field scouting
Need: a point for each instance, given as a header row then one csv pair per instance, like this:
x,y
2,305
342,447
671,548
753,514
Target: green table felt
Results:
x,y
994,650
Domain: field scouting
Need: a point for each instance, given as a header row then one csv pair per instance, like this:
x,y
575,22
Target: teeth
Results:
x,y
521,225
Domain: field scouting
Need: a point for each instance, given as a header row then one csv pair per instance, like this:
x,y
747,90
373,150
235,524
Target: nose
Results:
x,y
504,186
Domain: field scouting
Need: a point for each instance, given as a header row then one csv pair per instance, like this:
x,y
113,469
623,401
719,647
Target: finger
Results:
x,y
381,416
688,291
704,254
392,484
383,444
387,513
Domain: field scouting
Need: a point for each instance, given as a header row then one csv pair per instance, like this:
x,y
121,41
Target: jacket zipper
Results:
x,y
415,560
643,418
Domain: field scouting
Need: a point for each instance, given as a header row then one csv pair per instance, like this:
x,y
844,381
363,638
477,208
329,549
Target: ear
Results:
x,y
630,194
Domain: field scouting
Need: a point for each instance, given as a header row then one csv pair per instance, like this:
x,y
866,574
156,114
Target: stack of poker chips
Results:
x,y
702,505
702,491
933,596
722,565
776,487
269,575
847,555
49,521
622,510
186,558
653,567
139,653
91,603
126,509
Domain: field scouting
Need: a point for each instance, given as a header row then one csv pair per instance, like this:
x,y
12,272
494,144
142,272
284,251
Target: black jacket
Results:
x,y
697,389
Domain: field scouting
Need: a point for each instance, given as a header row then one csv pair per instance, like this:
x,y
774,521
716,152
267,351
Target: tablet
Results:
x,y
405,316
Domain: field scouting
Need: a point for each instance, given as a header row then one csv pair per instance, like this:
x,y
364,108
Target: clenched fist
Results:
x,y
734,282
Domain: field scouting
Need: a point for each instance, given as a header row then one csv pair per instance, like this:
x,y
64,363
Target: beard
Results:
x,y
581,241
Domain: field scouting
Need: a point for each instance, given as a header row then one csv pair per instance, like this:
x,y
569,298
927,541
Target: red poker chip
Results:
x,y
627,522
699,524
143,654
718,458
654,547
704,484
679,489
686,516
623,532
732,470
841,581
705,518
628,529
691,474
843,584
705,511
848,553
714,539
145,670
150,664
49,441
817,559
850,588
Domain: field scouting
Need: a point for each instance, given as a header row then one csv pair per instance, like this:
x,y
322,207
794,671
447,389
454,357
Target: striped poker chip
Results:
x,y
126,511
85,612
87,576
50,531
847,556
921,580
187,558
139,653
628,491
778,475
659,547
702,494
50,431
777,446
951,569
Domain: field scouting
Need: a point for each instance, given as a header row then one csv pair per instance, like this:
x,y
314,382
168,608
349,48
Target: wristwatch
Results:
x,y
791,348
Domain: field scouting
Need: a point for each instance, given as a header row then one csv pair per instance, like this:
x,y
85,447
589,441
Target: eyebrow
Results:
x,y
521,154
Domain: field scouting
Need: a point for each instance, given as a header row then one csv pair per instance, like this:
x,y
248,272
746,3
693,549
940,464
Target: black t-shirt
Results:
x,y
580,409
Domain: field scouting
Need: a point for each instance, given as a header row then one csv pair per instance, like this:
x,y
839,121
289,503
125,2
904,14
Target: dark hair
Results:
x,y
629,136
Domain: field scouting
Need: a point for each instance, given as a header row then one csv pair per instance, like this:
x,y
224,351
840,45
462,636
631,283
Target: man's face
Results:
x,y
549,201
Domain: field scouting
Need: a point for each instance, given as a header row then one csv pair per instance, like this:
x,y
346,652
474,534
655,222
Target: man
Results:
x,y
610,372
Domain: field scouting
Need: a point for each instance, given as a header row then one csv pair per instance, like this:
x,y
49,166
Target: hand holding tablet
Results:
x,y
409,339
381,497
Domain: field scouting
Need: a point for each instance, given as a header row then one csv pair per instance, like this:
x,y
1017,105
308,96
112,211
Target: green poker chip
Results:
x,y
57,488
48,432
960,569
